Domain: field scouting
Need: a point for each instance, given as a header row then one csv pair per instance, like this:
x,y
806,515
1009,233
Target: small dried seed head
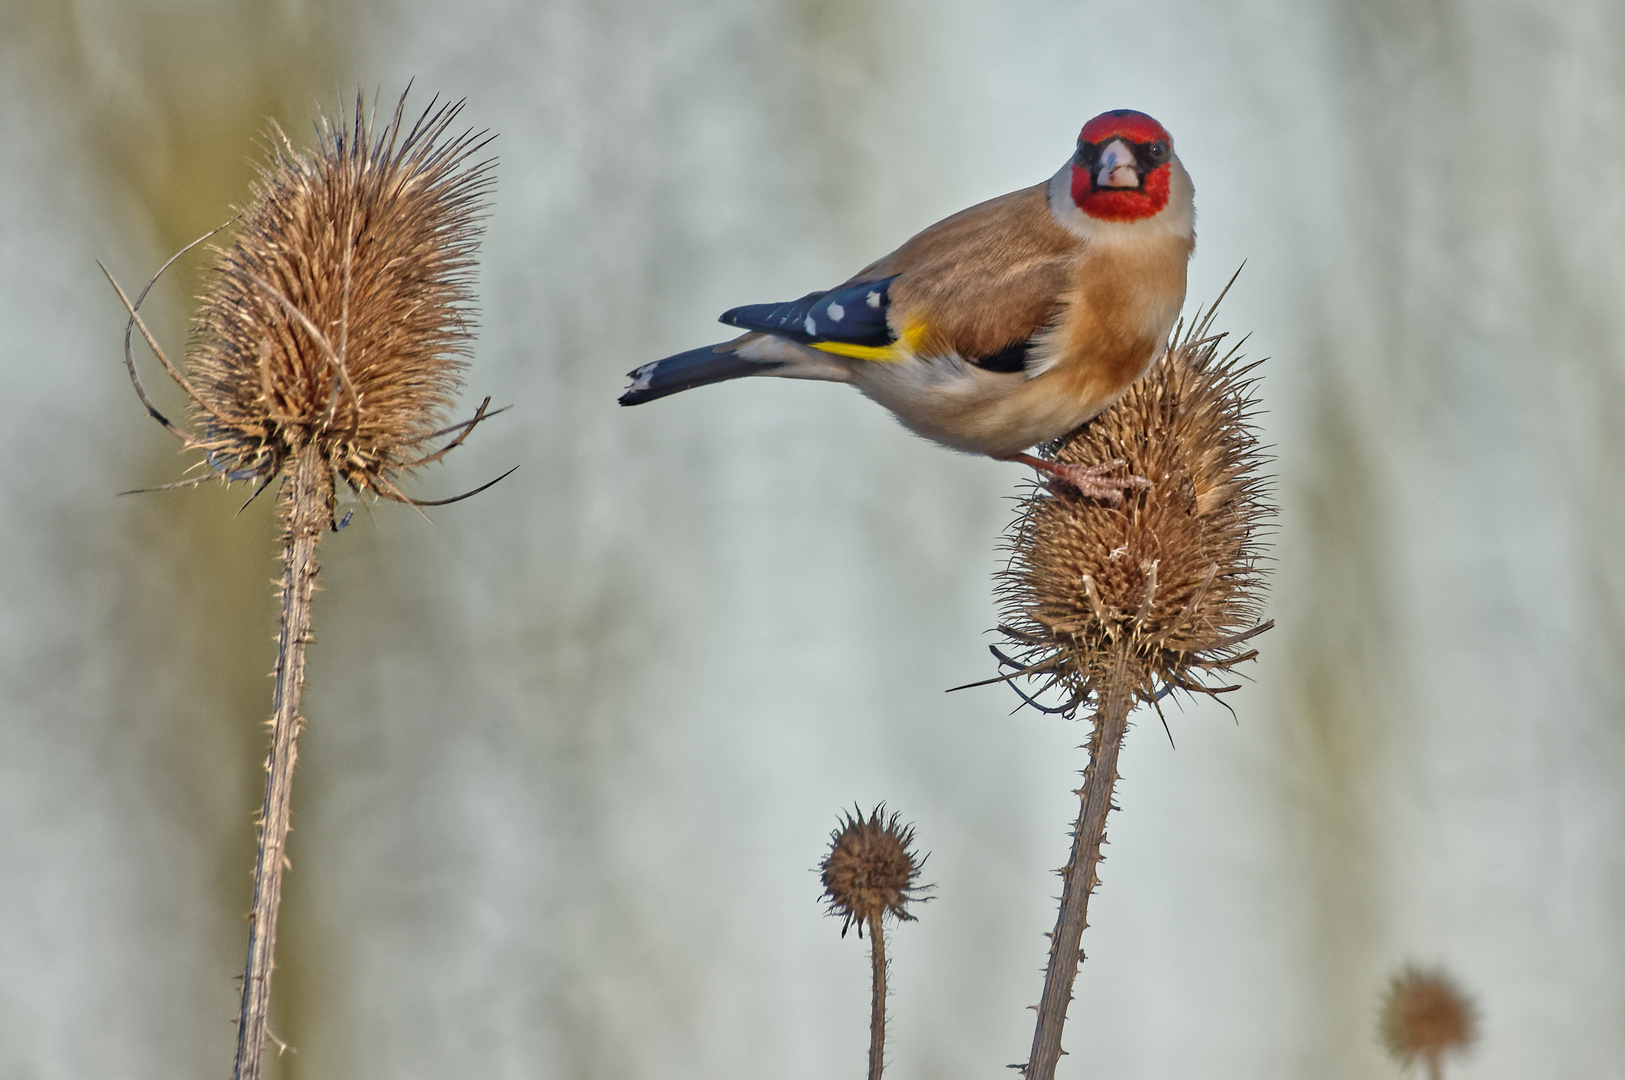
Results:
x,y
1173,573
1426,1015
870,871
340,314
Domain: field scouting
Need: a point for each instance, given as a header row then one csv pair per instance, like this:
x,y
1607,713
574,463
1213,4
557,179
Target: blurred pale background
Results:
x,y
576,745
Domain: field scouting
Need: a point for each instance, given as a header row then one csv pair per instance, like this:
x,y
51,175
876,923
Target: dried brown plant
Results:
x,y
1173,576
1425,1016
327,347
871,872
1116,605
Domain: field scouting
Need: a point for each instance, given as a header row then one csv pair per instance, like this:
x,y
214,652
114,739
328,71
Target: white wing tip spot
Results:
x,y
811,327
836,312
874,299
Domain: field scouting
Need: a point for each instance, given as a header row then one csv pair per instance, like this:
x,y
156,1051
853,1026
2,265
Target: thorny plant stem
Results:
x,y
877,1004
1115,700
304,516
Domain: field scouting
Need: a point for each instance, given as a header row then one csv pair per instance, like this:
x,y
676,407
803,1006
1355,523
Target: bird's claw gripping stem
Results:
x,y
1090,481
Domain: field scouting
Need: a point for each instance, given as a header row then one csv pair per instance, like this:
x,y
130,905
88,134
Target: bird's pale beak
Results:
x,y
1115,167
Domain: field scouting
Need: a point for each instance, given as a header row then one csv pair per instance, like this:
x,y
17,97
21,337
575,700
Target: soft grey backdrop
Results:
x,y
576,745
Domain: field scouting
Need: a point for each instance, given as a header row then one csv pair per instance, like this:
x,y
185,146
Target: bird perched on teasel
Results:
x,y
1001,327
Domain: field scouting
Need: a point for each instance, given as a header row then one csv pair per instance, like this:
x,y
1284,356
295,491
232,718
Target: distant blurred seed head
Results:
x,y
340,314
870,870
1173,573
1426,1015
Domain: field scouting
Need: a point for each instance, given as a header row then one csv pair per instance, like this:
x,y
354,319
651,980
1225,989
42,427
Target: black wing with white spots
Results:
x,y
852,314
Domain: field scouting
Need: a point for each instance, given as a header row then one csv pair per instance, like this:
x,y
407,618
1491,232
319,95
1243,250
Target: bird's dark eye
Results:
x,y
1085,154
1159,151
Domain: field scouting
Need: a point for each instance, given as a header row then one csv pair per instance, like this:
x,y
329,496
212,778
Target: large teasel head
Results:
x,y
339,316
1172,576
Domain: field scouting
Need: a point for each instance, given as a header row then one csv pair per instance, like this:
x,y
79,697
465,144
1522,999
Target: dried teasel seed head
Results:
x,y
339,316
871,871
1172,575
1425,1015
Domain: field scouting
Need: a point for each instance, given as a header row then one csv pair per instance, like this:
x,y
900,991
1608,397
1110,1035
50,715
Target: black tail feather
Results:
x,y
697,367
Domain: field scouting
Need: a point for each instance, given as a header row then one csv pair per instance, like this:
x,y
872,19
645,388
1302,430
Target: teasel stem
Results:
x,y
877,1005
1114,701
871,872
305,514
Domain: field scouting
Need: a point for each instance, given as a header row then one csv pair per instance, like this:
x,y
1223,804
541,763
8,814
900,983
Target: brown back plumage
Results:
x,y
985,278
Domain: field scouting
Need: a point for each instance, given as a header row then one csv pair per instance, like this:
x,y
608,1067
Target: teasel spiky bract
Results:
x,y
871,870
339,317
870,873
1425,1017
1174,576
327,347
1108,606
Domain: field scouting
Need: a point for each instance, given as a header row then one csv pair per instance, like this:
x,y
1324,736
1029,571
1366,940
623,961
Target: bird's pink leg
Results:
x,y
1091,481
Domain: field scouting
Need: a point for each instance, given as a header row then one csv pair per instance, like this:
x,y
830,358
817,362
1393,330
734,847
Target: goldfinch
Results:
x,y
1001,327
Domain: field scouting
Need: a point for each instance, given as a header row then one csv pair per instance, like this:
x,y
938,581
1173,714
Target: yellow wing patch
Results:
x,y
901,349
